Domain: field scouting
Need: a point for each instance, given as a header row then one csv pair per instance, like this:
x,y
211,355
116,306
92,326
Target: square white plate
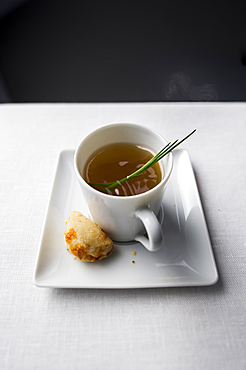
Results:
x,y
186,260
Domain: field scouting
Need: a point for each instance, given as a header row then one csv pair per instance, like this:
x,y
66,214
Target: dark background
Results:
x,y
96,51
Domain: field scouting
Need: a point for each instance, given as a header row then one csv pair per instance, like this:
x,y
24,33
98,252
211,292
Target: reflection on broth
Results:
x,y
115,161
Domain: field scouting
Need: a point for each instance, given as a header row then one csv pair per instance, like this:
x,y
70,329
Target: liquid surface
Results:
x,y
116,161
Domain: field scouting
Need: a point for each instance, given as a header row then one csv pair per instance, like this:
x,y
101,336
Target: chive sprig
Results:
x,y
109,186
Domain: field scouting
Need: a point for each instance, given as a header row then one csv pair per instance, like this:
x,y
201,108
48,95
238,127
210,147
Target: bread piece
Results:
x,y
85,240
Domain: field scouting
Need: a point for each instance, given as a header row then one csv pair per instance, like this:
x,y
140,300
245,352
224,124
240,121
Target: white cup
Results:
x,y
125,218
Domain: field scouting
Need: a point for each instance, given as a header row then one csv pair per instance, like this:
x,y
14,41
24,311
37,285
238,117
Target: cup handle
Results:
x,y
155,238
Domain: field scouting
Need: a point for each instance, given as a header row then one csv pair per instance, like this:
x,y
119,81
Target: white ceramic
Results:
x,y
186,260
125,218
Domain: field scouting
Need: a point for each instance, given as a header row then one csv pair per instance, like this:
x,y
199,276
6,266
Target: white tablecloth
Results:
x,y
164,328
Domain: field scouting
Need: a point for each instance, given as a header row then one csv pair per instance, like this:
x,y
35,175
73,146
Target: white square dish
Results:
x,y
186,260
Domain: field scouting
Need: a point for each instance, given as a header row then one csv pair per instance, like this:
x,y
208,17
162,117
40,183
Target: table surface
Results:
x,y
162,328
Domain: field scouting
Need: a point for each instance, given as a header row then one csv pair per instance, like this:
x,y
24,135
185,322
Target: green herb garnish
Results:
x,y
164,151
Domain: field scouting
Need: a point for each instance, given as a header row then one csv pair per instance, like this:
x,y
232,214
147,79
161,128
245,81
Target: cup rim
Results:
x,y
121,197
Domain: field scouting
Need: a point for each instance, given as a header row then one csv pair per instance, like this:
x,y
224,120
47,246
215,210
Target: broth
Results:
x,y
115,161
